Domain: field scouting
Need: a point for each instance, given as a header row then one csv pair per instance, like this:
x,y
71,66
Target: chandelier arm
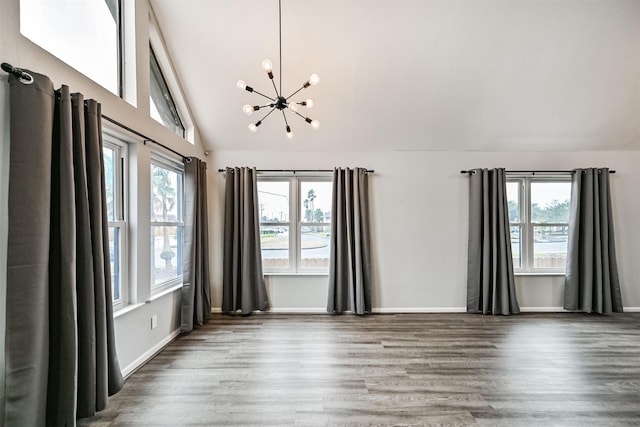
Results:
x,y
267,115
262,94
274,88
300,115
285,118
303,87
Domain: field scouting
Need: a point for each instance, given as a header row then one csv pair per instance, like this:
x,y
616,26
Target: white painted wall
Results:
x,y
419,204
134,338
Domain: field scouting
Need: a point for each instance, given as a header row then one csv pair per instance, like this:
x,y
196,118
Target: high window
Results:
x,y
114,155
163,107
295,223
85,34
166,223
539,220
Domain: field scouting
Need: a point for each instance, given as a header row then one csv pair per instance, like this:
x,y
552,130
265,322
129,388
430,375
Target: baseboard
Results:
x,y
392,310
542,310
149,354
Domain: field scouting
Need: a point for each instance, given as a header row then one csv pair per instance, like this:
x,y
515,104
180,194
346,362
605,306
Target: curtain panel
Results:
x,y
243,287
350,279
61,361
592,283
196,292
490,279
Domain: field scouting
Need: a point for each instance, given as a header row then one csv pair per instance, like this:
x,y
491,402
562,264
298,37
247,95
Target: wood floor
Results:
x,y
409,369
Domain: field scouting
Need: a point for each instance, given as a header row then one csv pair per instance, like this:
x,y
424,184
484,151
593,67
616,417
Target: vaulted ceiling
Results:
x,y
521,75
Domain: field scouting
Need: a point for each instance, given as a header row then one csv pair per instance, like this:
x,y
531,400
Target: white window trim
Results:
x,y
295,222
527,227
168,71
161,160
121,194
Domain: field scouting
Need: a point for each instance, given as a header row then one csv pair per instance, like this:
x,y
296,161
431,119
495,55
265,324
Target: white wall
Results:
x,y
134,337
420,212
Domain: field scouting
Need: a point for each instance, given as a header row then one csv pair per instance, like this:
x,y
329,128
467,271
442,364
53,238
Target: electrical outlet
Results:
x,y
154,321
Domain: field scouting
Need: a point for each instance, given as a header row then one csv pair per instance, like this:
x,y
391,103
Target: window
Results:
x,y
295,223
115,157
539,220
163,108
84,34
166,224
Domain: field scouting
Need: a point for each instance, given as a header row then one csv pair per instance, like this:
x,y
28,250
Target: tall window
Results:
x,y
295,223
166,223
115,157
85,34
163,107
539,220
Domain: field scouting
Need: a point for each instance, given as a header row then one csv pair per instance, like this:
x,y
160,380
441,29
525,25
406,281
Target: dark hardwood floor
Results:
x,y
404,369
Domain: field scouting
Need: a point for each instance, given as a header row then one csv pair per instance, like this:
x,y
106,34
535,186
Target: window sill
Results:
x,y
164,292
286,273
550,273
126,309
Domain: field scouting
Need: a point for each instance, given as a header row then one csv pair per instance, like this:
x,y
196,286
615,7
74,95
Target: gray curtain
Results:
x,y
196,294
350,254
592,284
490,280
61,362
243,287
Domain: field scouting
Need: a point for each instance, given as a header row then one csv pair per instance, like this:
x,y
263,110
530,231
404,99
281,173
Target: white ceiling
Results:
x,y
414,74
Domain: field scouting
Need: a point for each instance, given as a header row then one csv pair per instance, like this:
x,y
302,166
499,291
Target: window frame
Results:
x,y
159,160
295,222
166,94
121,209
119,18
527,227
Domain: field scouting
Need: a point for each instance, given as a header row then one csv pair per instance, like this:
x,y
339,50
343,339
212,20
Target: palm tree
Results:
x,y
164,198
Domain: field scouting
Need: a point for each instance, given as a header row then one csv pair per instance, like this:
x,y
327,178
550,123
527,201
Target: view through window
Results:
x,y
84,34
295,224
539,221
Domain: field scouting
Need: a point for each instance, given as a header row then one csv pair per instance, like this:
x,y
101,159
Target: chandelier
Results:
x,y
279,102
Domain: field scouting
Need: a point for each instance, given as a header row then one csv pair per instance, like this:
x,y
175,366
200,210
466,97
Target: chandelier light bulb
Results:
x,y
241,84
315,124
267,66
247,109
289,133
309,103
293,106
253,127
314,79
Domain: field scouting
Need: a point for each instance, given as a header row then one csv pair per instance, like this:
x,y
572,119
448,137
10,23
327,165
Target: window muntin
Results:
x,y
115,156
295,223
84,34
166,224
163,108
539,220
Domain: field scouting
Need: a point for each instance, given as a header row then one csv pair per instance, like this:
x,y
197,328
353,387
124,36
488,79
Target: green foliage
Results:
x,y
554,212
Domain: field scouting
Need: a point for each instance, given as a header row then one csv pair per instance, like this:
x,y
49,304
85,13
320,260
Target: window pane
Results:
x,y
315,201
273,197
114,257
84,34
550,246
513,199
550,202
110,181
163,108
167,253
516,243
274,242
165,195
315,246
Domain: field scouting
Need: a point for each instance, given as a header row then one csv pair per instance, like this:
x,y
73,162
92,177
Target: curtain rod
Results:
x,y
298,170
26,78
144,137
533,172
